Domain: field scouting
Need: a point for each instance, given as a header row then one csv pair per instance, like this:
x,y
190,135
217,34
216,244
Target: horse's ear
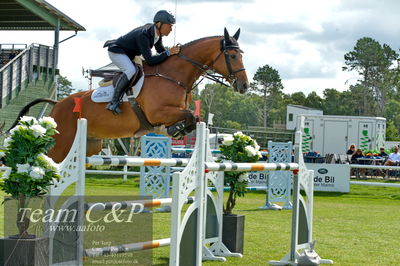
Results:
x,y
236,36
226,34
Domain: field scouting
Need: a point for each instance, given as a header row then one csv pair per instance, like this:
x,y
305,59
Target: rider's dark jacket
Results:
x,y
139,41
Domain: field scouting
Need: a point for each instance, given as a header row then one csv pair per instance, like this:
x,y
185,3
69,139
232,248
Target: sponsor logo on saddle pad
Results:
x,y
105,94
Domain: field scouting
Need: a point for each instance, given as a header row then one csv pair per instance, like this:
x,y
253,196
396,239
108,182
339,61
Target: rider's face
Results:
x,y
165,29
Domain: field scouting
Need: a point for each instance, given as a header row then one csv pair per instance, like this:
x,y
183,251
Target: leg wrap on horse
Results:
x,y
120,87
183,128
176,130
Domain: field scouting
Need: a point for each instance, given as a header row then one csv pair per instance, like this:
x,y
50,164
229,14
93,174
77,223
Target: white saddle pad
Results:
x,y
105,94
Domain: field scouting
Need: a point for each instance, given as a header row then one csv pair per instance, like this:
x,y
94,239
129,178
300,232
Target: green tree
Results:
x,y
314,100
373,63
359,95
298,98
230,108
268,83
332,102
64,88
392,133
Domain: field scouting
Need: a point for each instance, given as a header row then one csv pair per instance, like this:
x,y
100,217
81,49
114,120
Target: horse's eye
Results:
x,y
233,56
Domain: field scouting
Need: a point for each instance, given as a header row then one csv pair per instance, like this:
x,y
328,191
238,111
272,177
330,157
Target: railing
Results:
x,y
33,63
261,135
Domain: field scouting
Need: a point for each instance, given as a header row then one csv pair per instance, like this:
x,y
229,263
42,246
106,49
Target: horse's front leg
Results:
x,y
184,127
179,121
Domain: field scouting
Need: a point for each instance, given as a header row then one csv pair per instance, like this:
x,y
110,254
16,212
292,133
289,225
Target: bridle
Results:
x,y
208,71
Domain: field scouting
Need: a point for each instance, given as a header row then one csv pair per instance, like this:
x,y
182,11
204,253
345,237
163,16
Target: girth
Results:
x,y
145,125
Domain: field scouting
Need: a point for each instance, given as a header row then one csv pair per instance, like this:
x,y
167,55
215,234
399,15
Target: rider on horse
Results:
x,y
136,43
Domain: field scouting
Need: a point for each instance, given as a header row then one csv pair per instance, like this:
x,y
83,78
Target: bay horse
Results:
x,y
164,97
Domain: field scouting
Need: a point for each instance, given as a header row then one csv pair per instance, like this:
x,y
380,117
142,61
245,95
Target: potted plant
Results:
x,y
32,172
236,148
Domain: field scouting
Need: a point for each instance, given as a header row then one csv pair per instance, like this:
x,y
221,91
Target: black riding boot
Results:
x,y
113,106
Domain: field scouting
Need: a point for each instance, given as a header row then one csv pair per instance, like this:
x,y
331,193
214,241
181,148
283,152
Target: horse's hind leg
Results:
x,y
93,146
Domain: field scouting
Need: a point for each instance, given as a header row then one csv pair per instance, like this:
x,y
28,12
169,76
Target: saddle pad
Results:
x,y
105,94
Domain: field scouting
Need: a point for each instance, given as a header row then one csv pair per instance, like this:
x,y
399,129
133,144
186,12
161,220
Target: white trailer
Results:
x,y
334,134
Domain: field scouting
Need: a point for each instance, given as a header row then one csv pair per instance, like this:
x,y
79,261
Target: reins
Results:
x,y
205,70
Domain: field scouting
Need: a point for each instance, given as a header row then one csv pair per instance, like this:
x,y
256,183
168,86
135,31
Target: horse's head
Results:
x,y
230,64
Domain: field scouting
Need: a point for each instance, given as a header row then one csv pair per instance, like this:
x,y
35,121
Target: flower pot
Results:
x,y
233,232
30,251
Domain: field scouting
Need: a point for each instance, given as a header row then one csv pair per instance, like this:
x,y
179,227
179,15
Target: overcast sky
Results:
x,y
304,40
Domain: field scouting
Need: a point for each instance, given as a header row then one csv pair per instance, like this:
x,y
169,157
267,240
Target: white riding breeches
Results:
x,y
123,62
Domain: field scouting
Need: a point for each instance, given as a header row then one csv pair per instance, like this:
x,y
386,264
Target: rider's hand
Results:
x,y
174,50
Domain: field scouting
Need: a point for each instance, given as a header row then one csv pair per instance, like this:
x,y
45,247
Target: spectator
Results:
x,y
351,150
357,154
353,160
382,152
393,159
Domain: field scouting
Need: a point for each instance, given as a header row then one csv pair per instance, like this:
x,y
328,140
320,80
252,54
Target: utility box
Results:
x,y
334,134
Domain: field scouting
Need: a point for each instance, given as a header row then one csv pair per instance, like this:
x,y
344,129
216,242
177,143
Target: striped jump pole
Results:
x,y
247,188
183,150
97,252
251,166
132,161
122,205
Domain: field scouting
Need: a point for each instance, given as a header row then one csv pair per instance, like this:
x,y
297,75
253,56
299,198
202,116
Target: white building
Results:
x,y
293,111
334,134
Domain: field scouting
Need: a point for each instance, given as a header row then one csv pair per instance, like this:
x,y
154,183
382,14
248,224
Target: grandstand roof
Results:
x,y
34,15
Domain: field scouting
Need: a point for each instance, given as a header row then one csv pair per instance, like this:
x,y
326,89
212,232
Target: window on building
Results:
x,y
290,117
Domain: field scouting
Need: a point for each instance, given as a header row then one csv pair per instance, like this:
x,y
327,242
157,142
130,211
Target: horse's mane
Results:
x,y
200,39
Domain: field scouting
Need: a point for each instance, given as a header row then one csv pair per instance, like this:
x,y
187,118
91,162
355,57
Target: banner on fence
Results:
x,y
327,177
257,179
331,177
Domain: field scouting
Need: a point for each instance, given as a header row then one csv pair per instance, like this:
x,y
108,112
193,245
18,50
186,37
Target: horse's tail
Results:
x,y
28,106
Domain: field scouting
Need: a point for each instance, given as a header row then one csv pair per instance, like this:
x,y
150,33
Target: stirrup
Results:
x,y
114,108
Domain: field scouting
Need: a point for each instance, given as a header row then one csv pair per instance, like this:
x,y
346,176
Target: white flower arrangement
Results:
x,y
29,172
238,134
240,148
38,130
243,178
24,153
50,163
48,122
23,168
250,150
228,140
29,119
7,142
36,172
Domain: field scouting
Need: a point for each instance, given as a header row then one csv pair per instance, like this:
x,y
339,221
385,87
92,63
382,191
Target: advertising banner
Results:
x,y
331,177
327,177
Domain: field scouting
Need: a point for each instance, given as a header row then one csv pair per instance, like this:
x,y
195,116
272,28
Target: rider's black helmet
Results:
x,y
164,17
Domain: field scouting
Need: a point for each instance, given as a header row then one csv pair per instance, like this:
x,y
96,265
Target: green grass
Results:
x,y
357,228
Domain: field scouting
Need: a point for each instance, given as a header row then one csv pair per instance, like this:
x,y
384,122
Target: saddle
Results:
x,y
111,77
110,74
